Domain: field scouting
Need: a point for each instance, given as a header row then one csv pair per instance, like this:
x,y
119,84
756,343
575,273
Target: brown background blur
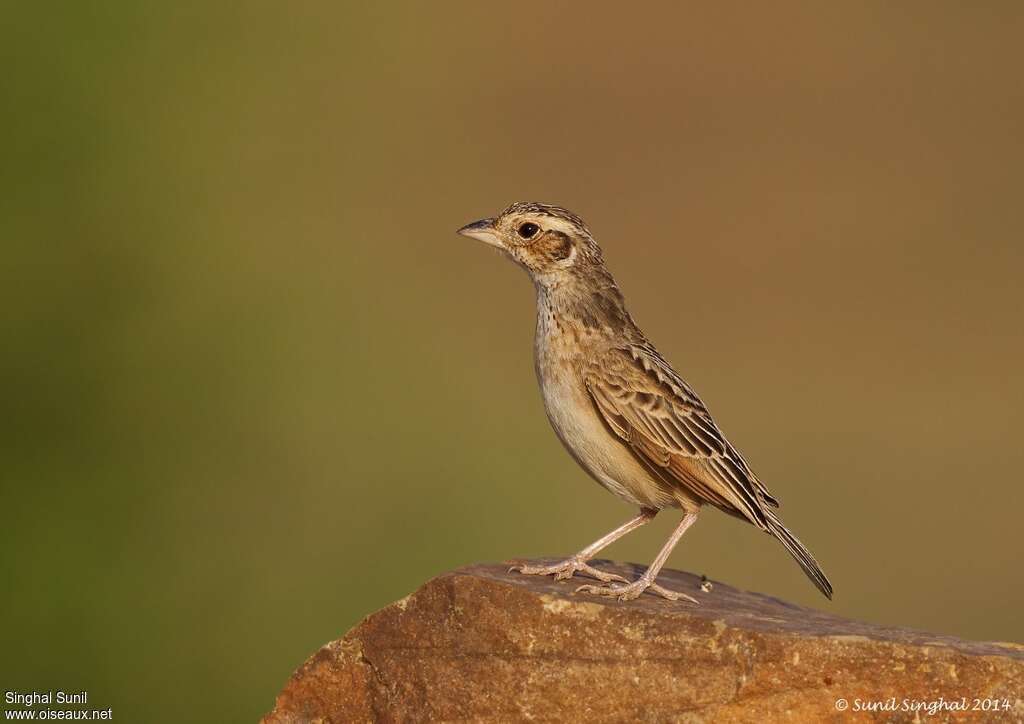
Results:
x,y
255,388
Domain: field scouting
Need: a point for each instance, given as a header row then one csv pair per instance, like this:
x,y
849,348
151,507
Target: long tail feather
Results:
x,y
799,552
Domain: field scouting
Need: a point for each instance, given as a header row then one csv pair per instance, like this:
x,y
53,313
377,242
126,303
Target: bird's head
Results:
x,y
548,241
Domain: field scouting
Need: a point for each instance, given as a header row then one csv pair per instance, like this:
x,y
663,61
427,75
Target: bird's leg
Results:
x,y
578,562
631,590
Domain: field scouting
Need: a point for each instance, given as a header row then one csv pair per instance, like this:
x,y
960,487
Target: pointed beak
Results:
x,y
484,231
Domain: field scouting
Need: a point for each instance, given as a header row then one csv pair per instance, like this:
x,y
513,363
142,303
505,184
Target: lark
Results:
x,y
618,407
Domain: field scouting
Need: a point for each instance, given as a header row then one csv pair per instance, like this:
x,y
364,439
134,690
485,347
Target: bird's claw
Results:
x,y
633,590
565,570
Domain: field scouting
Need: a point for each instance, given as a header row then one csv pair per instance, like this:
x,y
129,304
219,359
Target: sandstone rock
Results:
x,y
479,644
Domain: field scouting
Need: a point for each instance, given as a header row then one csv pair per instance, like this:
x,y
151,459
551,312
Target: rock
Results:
x,y
480,644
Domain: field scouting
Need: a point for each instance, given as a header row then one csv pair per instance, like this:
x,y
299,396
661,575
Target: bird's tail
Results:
x,y
799,551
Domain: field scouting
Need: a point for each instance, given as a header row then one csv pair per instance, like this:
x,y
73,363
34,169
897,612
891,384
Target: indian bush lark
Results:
x,y
619,408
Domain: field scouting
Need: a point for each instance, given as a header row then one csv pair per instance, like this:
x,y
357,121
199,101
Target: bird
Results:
x,y
619,408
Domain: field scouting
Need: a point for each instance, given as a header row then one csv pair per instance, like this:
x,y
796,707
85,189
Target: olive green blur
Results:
x,y
254,387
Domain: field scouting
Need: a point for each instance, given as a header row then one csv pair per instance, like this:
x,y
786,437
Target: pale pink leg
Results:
x,y
578,562
634,589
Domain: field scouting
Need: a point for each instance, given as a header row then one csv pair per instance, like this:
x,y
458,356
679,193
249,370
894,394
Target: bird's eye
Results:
x,y
528,230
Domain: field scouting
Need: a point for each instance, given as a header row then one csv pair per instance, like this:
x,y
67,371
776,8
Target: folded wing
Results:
x,y
652,409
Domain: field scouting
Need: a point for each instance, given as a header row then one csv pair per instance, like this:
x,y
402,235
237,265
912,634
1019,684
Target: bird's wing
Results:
x,y
649,406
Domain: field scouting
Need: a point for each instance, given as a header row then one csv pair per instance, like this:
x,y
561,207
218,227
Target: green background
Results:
x,y
255,388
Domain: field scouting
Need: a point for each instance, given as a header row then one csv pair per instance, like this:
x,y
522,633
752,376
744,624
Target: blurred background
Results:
x,y
254,387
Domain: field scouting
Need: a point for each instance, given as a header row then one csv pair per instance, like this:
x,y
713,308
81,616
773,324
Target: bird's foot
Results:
x,y
633,590
566,569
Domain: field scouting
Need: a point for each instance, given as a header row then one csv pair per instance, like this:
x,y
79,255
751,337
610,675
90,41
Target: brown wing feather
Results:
x,y
650,407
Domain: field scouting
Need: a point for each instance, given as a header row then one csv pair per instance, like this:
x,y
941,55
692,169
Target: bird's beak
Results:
x,y
484,231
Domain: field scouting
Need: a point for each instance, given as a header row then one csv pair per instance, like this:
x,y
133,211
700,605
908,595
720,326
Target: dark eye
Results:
x,y
528,230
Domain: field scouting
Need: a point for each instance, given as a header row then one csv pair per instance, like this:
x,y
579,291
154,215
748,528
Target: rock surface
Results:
x,y
480,644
